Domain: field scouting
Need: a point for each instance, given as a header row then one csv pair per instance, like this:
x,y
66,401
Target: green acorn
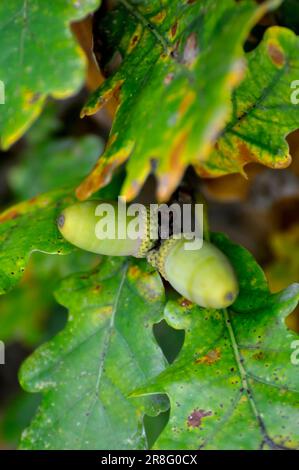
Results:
x,y
203,276
80,225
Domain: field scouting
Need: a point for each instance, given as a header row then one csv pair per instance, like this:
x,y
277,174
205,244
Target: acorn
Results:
x,y
83,226
203,275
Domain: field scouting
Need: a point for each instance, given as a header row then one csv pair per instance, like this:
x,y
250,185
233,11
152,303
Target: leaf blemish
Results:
x,y
210,358
185,303
97,288
191,50
168,79
259,356
276,54
134,272
34,98
195,418
135,39
13,214
159,18
174,29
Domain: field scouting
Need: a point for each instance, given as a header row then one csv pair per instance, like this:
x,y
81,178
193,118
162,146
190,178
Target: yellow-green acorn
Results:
x,y
203,276
86,225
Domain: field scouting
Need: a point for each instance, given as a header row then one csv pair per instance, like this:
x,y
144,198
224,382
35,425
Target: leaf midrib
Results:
x,y
243,373
148,25
105,350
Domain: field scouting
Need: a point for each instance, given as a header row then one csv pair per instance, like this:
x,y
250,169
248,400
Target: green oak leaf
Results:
x,y
29,313
30,226
51,163
39,58
235,384
180,62
87,371
263,112
25,310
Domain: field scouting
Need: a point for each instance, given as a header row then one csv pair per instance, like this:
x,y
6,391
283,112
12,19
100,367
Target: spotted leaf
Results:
x,y
235,383
180,62
86,372
265,109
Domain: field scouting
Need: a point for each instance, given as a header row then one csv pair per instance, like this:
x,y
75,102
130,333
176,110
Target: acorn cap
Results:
x,y
147,243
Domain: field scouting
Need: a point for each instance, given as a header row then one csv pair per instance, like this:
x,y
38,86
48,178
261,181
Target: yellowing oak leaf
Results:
x,y
180,62
264,112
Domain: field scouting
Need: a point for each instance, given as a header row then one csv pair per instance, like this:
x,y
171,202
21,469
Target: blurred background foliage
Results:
x,y
260,212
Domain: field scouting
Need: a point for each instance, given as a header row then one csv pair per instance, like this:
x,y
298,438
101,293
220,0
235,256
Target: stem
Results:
x,y
199,199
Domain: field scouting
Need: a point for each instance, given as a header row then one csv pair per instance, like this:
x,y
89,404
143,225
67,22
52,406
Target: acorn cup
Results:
x,y
203,275
84,226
